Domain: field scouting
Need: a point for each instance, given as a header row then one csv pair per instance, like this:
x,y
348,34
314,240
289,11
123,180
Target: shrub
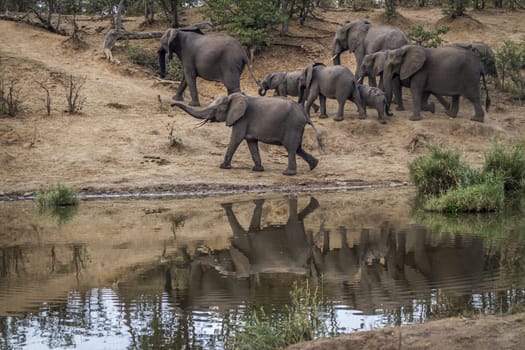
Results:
x,y
488,195
9,98
419,35
75,100
440,170
59,196
509,163
510,61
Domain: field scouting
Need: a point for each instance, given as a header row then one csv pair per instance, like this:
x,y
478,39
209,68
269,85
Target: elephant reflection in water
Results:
x,y
275,248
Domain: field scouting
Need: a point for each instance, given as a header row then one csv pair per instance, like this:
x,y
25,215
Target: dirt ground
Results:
x,y
120,141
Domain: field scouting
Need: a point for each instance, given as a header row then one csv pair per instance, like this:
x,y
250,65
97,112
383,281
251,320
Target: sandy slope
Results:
x,y
112,145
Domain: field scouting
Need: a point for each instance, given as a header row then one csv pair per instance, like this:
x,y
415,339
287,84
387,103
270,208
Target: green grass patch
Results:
x,y
509,162
300,321
59,196
446,184
486,196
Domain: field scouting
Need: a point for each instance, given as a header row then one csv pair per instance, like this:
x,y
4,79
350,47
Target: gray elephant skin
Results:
x,y
375,98
218,58
443,71
336,82
271,120
361,38
285,84
373,66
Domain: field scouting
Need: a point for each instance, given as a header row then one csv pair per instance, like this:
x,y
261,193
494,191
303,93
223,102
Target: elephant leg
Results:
x,y
309,102
417,96
309,209
479,115
322,102
425,105
253,146
255,223
311,160
235,141
232,219
372,81
454,107
398,95
340,110
292,149
191,79
381,111
179,95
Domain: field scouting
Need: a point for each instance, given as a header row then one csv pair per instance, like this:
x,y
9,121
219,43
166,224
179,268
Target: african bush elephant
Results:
x,y
375,98
336,82
373,66
212,57
488,62
272,120
443,71
285,84
362,38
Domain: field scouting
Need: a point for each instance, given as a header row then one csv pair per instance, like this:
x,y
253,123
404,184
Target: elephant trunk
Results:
x,y
387,82
162,63
263,87
203,114
336,54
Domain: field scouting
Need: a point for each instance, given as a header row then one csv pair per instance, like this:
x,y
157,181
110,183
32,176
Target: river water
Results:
x,y
182,273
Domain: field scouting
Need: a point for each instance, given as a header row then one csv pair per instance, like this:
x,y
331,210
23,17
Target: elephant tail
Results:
x,y
250,70
487,99
320,142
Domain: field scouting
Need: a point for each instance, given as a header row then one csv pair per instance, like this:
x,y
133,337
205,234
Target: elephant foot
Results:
x,y
316,108
225,166
382,121
195,103
313,164
290,172
451,115
177,98
477,119
415,118
227,205
258,168
430,107
400,108
338,118
323,116
362,116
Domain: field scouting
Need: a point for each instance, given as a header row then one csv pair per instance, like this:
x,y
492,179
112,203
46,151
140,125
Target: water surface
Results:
x,y
182,273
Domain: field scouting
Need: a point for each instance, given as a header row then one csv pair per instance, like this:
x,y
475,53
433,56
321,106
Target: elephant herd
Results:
x,y
380,51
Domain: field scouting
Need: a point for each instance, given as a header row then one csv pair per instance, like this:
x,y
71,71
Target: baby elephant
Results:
x,y
374,97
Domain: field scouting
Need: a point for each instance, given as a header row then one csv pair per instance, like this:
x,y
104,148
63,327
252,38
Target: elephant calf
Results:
x,y
336,82
375,98
285,84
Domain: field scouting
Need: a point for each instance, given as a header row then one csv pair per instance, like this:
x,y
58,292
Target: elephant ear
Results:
x,y
237,108
193,29
379,63
341,36
356,34
309,73
277,79
172,36
413,60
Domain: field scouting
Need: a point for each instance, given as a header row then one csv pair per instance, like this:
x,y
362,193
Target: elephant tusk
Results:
x,y
333,57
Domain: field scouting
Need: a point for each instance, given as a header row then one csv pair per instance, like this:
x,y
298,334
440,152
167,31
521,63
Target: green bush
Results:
x,y
149,59
440,170
510,61
488,195
59,196
419,35
509,163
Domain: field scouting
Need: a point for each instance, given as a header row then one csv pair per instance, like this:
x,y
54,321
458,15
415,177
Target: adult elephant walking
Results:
x,y
212,57
362,38
443,71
